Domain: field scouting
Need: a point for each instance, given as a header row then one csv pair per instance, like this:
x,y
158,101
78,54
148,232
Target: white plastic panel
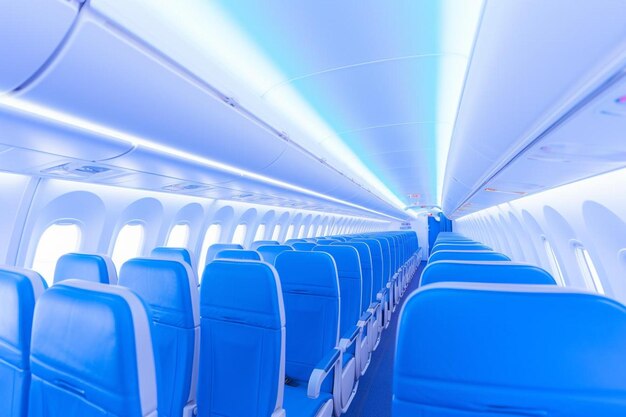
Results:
x,y
533,73
30,31
128,89
25,130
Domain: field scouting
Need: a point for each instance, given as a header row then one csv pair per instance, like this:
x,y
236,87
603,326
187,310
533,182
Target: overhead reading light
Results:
x,y
76,122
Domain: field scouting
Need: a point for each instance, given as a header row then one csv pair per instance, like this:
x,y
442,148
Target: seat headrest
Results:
x,y
526,347
467,255
313,273
19,290
247,292
496,272
362,248
269,253
291,241
89,336
250,255
169,287
85,266
217,247
254,245
303,246
326,241
346,258
459,246
173,254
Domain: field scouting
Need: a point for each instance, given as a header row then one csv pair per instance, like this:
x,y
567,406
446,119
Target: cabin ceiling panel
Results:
x,y
537,60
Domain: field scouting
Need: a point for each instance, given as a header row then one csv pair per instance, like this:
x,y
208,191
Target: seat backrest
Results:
x,y
174,254
91,353
292,241
459,246
248,255
305,246
326,241
269,253
350,283
377,264
170,289
85,266
496,272
218,247
365,257
19,290
386,250
311,294
255,245
467,255
243,340
467,349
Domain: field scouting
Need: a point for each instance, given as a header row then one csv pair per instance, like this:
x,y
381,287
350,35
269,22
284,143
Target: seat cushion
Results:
x,y
296,403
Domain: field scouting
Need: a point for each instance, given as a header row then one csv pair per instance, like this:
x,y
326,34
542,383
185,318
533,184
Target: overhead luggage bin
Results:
x,y
30,33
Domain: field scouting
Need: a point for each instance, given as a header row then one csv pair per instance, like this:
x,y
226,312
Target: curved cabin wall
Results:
x,y
30,205
588,214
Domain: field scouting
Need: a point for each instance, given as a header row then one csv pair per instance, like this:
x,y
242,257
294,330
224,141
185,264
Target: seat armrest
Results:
x,y
321,371
365,317
279,413
349,338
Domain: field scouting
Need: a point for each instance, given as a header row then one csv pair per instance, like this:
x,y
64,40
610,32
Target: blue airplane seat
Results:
x,y
170,289
311,294
19,290
242,341
292,241
468,255
365,259
326,241
174,254
91,353
269,253
214,249
255,245
85,266
479,350
495,272
350,288
241,254
379,289
459,246
304,246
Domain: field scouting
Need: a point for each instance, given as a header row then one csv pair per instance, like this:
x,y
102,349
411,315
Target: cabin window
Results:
x,y
260,232
57,240
276,233
311,231
290,230
301,231
318,232
212,236
239,236
128,244
179,236
554,263
588,269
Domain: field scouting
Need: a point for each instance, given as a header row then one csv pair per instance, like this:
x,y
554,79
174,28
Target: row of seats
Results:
x,y
484,336
283,329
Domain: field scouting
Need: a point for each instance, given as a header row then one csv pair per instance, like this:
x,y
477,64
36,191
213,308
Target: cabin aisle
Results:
x,y
373,398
